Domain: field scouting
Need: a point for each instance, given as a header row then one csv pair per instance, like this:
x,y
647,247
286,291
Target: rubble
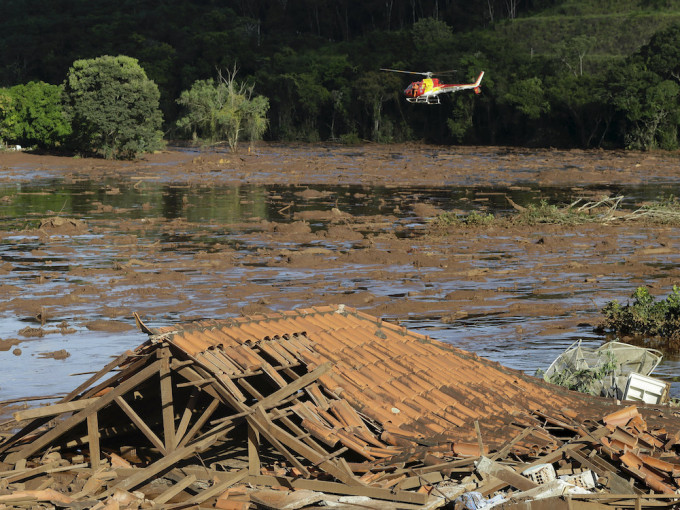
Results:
x,y
330,407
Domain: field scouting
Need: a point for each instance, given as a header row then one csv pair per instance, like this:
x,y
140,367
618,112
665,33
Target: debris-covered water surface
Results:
x,y
189,234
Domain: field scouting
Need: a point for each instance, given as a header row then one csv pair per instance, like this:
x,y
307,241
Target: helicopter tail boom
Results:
x,y
479,80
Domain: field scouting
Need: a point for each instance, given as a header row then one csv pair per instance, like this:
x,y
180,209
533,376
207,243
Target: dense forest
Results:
x,y
558,73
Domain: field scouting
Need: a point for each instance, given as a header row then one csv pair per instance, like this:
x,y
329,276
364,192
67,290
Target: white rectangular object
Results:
x,y
645,389
540,474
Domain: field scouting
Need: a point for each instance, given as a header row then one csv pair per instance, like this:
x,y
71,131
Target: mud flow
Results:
x,y
189,234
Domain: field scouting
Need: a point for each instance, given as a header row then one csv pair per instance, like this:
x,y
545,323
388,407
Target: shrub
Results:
x,y
646,316
8,116
446,219
34,115
113,107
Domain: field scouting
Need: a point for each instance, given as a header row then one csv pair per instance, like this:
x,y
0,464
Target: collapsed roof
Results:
x,y
326,394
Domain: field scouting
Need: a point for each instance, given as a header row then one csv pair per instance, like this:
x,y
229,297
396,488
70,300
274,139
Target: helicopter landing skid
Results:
x,y
424,100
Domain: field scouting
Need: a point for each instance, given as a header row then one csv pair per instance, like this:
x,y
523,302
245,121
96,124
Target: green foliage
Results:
x,y
649,106
579,106
528,97
37,117
645,316
8,117
373,90
544,212
223,110
662,53
447,219
429,36
113,107
350,139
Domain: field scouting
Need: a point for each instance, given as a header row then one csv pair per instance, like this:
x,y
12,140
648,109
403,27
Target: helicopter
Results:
x,y
427,90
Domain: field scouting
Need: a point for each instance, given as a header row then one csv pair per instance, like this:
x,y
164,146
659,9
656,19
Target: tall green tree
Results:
x,y
648,105
113,107
662,53
223,110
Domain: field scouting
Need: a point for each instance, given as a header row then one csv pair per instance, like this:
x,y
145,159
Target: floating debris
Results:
x,y
614,370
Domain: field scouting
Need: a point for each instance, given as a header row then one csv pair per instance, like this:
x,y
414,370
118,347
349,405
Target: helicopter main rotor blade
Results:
x,y
406,72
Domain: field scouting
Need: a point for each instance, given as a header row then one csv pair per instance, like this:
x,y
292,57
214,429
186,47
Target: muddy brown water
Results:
x,y
197,233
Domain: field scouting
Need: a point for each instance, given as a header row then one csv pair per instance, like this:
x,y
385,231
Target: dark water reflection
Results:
x,y
228,211
232,204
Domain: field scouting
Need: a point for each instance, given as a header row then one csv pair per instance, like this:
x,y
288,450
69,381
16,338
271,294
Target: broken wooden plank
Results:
x,y
39,422
140,424
492,468
417,498
272,433
505,449
28,473
167,405
93,440
480,443
253,451
98,375
186,416
175,489
273,399
616,482
205,416
53,410
219,487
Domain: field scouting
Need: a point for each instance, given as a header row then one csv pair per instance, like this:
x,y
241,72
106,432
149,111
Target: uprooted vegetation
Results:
x,y
604,211
654,323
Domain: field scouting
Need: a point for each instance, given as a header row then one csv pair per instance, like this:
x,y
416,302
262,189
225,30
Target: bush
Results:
x,y
646,317
8,116
113,107
447,219
33,114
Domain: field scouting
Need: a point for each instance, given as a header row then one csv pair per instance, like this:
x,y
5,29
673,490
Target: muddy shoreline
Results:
x,y
510,293
371,164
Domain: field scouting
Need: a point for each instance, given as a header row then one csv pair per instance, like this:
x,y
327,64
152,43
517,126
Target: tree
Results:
x,y
528,97
38,116
579,107
573,52
662,54
8,117
373,90
223,110
113,107
649,107
432,39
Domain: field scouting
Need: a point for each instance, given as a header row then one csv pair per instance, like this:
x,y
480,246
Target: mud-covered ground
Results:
x,y
191,233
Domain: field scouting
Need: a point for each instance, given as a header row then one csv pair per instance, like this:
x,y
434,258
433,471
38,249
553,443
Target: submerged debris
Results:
x,y
329,406
613,370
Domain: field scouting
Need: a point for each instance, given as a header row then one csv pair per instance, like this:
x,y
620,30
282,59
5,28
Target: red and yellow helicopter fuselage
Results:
x,y
427,91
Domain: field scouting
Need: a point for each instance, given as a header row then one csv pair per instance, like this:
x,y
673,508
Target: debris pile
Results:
x,y
329,407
